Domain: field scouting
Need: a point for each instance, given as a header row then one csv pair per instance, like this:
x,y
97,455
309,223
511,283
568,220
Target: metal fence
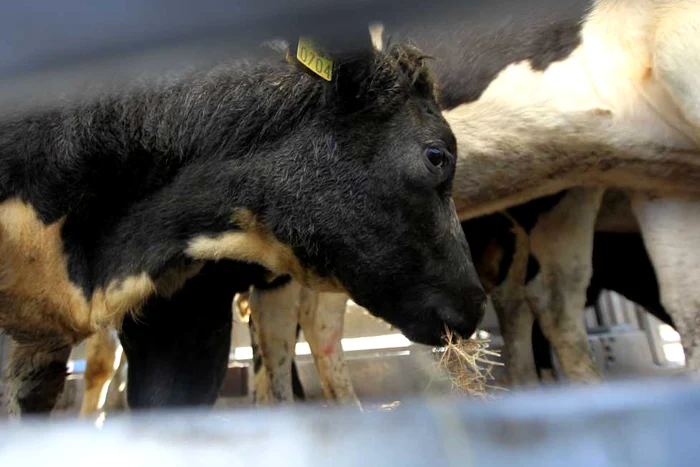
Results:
x,y
612,425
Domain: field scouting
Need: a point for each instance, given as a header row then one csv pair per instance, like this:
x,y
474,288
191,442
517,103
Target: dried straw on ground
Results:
x,y
469,364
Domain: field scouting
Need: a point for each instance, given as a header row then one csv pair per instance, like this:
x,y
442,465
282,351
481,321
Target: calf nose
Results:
x,y
464,316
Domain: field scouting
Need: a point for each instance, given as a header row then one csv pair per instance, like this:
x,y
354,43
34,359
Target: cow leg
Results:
x,y
515,321
100,353
515,318
36,375
274,315
322,316
116,388
562,244
261,384
677,56
262,395
297,387
542,352
671,233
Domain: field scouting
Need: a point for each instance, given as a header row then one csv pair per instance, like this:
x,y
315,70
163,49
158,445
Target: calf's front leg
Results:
x,y
36,375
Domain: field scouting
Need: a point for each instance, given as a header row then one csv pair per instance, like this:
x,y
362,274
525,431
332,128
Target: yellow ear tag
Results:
x,y
313,60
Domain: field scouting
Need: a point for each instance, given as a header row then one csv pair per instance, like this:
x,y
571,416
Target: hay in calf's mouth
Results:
x,y
469,364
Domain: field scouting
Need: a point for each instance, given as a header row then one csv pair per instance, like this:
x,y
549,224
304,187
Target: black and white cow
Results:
x,y
613,104
112,201
602,95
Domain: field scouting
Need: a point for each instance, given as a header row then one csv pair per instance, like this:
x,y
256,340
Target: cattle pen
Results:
x,y
645,412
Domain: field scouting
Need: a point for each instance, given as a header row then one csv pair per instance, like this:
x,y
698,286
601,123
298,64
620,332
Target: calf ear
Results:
x,y
350,62
366,75
358,79
368,78
377,80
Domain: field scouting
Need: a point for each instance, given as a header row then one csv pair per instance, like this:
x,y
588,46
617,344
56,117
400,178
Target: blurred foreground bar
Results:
x,y
52,49
637,424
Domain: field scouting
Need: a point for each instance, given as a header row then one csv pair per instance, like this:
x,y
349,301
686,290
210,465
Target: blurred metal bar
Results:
x,y
50,48
649,424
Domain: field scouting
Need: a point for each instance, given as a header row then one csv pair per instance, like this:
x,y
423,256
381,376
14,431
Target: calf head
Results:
x,y
346,185
363,198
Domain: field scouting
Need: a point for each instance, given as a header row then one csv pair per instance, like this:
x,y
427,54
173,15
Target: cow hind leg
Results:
x,y
562,244
36,375
100,353
542,352
297,387
261,384
274,315
515,318
262,394
515,321
671,233
322,318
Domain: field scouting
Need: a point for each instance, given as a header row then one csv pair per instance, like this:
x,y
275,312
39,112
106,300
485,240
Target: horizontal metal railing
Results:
x,y
618,425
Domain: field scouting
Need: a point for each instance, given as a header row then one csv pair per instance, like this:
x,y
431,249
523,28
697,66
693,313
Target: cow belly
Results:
x,y
510,154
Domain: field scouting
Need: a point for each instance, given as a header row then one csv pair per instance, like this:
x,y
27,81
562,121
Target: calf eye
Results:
x,y
436,156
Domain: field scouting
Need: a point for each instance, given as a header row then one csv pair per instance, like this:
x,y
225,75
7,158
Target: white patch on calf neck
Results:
x,y
254,243
121,296
238,245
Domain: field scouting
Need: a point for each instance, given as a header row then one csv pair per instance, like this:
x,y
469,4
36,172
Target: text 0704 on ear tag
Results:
x,y
308,54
